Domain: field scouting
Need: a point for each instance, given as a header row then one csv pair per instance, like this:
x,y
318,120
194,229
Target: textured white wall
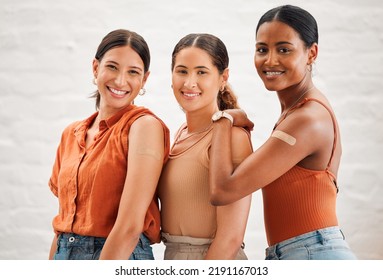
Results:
x,y
46,50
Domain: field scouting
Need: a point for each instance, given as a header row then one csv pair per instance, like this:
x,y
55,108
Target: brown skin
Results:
x,y
282,61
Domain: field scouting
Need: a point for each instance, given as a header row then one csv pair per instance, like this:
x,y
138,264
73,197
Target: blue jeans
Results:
x,y
72,246
322,244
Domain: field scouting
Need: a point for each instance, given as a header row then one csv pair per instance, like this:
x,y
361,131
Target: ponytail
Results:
x,y
226,99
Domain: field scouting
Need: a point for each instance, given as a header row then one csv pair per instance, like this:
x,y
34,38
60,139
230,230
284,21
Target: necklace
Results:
x,y
296,102
179,139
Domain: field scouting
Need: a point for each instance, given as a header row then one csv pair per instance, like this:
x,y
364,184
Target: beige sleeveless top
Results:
x,y
184,188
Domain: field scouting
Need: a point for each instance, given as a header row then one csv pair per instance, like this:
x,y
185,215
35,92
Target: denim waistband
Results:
x,y
320,235
75,240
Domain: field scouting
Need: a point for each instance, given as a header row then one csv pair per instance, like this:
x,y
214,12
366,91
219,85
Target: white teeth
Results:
x,y
191,94
273,73
118,92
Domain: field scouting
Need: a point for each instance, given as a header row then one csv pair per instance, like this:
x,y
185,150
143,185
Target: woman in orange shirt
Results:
x,y
298,165
107,166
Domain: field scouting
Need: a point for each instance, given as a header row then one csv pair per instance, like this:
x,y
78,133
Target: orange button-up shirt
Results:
x,y
89,182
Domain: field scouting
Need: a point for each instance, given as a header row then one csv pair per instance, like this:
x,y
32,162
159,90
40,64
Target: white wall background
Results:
x,y
46,50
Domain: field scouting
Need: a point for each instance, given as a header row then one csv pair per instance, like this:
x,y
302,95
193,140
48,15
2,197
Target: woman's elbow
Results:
x,y
236,242
215,201
218,197
132,229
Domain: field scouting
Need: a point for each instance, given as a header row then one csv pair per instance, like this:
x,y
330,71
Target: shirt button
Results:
x,y
71,239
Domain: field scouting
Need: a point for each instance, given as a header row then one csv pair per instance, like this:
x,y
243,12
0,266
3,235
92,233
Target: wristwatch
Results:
x,y
222,114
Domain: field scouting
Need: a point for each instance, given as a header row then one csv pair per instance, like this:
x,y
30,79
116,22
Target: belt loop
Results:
x,y
91,244
272,252
59,238
322,237
344,237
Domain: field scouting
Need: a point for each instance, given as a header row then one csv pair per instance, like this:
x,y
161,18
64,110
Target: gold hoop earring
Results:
x,y
310,68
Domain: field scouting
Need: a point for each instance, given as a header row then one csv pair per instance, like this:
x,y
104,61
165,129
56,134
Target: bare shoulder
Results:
x,y
241,140
311,116
147,121
147,125
240,134
311,125
318,116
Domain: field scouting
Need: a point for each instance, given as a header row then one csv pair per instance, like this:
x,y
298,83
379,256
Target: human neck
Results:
x,y
293,96
199,121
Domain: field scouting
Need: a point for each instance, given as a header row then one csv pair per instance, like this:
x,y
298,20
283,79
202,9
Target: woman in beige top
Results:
x,y
191,227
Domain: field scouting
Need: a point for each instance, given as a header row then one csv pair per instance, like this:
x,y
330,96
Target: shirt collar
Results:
x,y
116,117
104,124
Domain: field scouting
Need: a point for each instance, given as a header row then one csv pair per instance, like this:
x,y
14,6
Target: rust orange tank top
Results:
x,y
301,200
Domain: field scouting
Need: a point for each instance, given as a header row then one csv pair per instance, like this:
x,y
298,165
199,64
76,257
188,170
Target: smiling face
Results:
x,y
281,57
120,76
196,81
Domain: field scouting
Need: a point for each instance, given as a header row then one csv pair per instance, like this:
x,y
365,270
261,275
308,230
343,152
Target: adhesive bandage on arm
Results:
x,y
149,152
284,137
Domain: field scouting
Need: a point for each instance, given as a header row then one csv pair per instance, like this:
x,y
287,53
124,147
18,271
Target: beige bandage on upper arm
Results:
x,y
284,137
149,152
